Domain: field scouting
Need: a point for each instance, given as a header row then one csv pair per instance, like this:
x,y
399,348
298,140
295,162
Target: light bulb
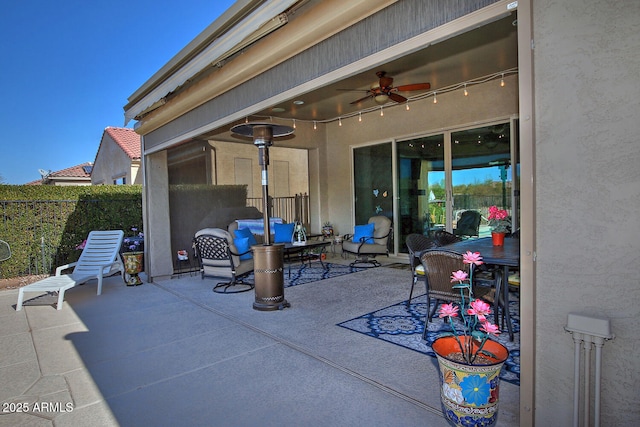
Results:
x,y
314,125
502,81
359,116
339,121
465,90
381,111
407,105
294,123
435,98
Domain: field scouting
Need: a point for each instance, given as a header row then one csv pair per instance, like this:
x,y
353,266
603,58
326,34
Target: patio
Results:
x,y
175,353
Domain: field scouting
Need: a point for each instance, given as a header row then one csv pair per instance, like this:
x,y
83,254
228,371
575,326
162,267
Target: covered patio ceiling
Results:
x,y
474,56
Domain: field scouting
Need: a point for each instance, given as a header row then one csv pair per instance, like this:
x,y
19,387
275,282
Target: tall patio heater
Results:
x,y
268,259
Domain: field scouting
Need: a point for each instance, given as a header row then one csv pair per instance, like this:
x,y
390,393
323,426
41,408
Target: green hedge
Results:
x,y
44,224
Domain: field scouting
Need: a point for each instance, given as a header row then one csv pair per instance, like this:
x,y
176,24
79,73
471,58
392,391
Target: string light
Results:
x,y
451,88
246,119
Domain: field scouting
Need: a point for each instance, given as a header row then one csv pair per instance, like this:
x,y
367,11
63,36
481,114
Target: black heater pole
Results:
x,y
262,137
268,259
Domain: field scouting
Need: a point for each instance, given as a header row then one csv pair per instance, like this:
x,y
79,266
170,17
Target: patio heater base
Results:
x,y
268,270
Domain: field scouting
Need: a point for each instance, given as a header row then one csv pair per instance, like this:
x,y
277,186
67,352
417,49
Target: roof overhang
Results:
x,y
241,25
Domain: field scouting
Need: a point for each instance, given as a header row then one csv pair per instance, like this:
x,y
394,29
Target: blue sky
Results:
x,y
68,67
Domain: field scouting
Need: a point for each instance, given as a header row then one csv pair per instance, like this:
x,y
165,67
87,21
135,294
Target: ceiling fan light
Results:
x,y
381,98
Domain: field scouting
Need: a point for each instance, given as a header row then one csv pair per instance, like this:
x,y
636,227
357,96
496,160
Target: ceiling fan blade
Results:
x,y
360,100
416,86
397,98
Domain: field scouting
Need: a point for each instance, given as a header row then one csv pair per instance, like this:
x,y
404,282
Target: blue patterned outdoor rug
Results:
x,y
307,273
404,326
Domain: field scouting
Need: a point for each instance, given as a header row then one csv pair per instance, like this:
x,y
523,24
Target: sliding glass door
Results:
x,y
421,186
373,180
480,177
445,181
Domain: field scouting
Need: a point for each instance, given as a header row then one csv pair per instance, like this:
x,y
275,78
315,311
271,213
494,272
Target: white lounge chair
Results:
x,y
100,257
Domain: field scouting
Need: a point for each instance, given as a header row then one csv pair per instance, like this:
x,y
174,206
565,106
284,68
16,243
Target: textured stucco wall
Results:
x,y
297,161
586,65
112,162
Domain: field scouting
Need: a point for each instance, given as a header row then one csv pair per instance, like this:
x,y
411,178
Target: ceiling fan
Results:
x,y
383,90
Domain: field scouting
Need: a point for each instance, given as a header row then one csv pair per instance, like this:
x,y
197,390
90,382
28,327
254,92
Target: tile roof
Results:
x,y
78,171
127,139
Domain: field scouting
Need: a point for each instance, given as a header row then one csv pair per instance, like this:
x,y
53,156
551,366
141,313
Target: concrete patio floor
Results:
x,y
174,353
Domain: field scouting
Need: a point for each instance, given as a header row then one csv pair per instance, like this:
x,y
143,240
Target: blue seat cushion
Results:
x,y
366,231
246,233
243,245
283,232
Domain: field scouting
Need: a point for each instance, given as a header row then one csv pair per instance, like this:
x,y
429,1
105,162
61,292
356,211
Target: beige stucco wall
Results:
x,y
156,211
112,163
586,62
225,154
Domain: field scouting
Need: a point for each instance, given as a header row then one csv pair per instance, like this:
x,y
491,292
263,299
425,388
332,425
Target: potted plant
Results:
x,y
500,223
133,257
327,229
469,361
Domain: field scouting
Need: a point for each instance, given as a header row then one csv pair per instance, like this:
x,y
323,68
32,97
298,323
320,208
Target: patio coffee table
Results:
x,y
305,250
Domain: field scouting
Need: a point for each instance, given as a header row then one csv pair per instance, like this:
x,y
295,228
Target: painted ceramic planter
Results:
x,y
497,238
469,393
133,265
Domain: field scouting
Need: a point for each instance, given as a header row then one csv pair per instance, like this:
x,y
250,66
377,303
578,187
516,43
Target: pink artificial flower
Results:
x,y
479,308
490,328
495,213
81,245
448,310
472,258
459,276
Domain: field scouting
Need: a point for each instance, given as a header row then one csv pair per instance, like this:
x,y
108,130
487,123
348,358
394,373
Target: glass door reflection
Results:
x,y
421,186
480,177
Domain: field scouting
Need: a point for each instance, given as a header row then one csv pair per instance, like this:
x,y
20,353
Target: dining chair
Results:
x,y
439,264
416,243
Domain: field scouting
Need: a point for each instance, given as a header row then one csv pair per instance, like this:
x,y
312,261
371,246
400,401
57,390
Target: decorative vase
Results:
x,y
498,238
469,393
133,265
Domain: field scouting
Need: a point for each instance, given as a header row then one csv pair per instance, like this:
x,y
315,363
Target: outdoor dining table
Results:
x,y
507,256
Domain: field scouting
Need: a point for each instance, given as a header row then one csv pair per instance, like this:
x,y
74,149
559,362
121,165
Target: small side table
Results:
x,y
336,241
182,261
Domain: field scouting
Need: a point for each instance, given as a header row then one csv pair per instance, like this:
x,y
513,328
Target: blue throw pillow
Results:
x,y
242,245
361,231
246,233
283,232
